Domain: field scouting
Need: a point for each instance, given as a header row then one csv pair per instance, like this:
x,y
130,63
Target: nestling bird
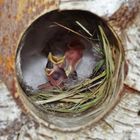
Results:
x,y
73,56
55,72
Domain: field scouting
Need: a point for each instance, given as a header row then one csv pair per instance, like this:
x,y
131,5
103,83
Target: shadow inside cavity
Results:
x,y
42,34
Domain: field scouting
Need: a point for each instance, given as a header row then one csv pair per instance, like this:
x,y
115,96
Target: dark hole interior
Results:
x,y
139,113
44,35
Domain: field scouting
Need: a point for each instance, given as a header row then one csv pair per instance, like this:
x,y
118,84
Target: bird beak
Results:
x,y
69,70
55,59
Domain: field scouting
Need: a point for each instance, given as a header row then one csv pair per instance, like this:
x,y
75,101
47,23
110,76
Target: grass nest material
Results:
x,y
95,90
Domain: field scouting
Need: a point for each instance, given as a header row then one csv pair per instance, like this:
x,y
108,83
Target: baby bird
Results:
x,y
73,57
55,72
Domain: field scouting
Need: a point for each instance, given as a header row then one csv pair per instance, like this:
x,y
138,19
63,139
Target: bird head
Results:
x,y
73,55
54,70
56,78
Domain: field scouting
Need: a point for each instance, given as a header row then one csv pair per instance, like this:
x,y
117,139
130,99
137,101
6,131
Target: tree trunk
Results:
x,y
121,123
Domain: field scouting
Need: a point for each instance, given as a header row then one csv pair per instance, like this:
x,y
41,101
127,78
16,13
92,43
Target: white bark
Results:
x,y
122,123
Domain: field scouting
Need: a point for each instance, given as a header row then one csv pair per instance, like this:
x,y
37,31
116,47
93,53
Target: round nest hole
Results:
x,y
70,67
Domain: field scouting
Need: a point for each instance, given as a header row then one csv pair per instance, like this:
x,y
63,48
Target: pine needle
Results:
x,y
84,28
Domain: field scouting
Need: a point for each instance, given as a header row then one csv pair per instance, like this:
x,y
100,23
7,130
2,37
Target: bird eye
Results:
x,y
49,65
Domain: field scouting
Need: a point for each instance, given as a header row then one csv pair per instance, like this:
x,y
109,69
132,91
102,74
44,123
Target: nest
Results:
x,y
95,90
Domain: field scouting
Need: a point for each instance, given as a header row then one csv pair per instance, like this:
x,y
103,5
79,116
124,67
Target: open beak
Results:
x,y
56,59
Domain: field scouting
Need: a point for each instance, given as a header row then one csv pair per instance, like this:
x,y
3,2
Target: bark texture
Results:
x,y
122,123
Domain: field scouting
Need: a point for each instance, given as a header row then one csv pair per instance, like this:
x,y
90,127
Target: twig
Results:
x,y
84,28
69,29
